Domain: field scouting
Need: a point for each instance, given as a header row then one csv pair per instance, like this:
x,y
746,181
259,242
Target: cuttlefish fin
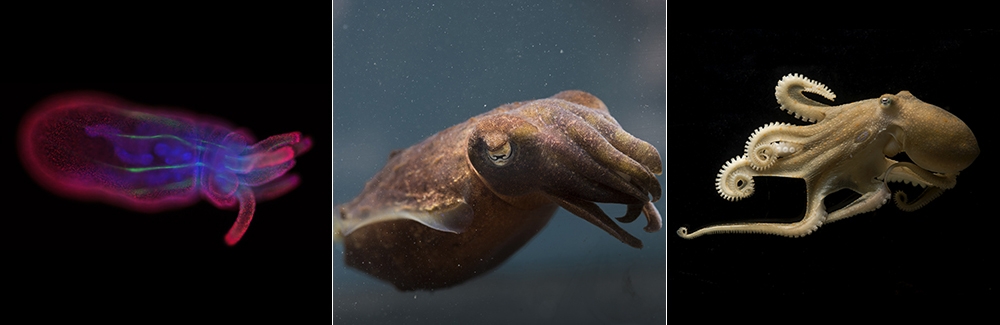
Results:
x,y
454,219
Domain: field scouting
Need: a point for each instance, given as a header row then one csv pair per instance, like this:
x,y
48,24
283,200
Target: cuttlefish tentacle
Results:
x,y
593,214
653,220
632,213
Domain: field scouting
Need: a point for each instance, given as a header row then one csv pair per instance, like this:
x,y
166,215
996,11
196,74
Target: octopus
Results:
x,y
462,201
848,147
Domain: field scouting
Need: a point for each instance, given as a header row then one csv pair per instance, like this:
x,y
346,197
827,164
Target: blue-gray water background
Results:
x,y
404,70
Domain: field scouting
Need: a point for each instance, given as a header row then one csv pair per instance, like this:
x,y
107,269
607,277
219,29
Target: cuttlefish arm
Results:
x,y
579,155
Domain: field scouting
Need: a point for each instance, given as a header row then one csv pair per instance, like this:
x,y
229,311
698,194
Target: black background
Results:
x,y
721,88
265,67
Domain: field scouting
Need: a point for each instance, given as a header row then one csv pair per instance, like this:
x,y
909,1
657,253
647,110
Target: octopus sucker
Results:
x,y
733,182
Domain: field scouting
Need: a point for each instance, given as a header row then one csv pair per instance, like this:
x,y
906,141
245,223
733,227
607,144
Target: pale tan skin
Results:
x,y
847,148
461,202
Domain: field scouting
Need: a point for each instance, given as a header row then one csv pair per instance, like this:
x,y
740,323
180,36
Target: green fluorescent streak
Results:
x,y
146,169
158,136
164,121
171,186
168,136
156,119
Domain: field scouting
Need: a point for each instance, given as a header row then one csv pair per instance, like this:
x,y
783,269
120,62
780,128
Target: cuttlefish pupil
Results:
x,y
501,155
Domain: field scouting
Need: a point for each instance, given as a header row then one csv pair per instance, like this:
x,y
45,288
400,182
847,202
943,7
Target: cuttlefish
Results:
x,y
462,201
848,147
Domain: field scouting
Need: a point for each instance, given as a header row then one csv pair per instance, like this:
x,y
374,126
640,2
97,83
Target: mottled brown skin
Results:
x,y
461,202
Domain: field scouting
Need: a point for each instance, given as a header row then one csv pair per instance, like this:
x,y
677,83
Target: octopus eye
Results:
x,y
886,101
500,156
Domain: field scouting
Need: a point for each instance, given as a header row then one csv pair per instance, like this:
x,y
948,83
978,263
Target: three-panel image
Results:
x,y
525,162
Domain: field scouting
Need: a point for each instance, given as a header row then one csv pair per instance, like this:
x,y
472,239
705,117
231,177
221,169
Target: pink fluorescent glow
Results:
x,y
96,147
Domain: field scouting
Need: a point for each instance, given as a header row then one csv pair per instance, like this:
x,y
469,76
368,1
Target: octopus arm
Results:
x,y
814,218
910,173
789,93
904,172
869,201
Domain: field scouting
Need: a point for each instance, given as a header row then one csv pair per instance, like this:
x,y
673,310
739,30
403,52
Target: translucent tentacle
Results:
x,y
247,207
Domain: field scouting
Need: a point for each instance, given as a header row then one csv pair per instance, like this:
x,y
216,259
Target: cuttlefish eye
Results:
x,y
501,155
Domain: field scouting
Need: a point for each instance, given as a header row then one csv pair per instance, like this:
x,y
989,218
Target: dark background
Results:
x,y
721,88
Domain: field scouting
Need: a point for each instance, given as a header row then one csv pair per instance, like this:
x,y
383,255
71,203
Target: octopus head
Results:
x,y
932,137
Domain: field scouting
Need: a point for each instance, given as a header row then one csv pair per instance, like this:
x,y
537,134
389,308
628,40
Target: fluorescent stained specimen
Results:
x,y
96,147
